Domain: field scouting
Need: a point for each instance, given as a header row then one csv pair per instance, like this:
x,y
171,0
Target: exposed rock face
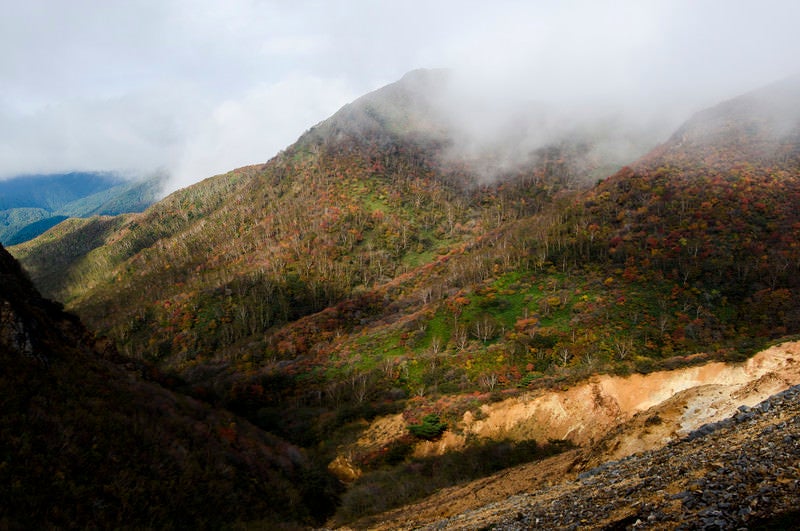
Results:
x,y
617,411
586,412
742,471
13,334
653,436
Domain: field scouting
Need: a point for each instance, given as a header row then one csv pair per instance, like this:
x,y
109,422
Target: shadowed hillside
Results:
x,y
87,442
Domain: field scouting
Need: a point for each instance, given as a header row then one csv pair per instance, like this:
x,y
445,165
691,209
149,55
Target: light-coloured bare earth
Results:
x,y
608,418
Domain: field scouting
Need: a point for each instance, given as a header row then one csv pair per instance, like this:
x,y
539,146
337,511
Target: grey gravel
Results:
x,y
738,473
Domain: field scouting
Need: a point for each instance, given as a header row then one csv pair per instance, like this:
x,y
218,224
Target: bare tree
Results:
x,y
487,381
564,355
623,348
359,386
436,345
484,328
663,323
460,337
426,294
388,367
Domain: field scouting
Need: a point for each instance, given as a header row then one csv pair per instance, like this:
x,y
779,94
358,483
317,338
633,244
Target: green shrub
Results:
x,y
430,428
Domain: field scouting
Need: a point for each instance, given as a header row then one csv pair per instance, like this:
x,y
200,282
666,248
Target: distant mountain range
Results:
x,y
31,204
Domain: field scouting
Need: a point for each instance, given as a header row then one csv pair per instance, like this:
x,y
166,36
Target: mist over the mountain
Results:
x,y
197,90
761,125
500,130
773,111
493,131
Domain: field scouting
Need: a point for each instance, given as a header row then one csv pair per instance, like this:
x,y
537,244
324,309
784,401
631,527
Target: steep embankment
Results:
x,y
738,473
609,417
585,412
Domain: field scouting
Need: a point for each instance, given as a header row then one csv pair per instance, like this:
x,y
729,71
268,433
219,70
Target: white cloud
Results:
x,y
292,45
136,132
201,86
253,128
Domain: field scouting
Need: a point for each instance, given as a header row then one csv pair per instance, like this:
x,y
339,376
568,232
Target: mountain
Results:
x,y
87,441
52,192
375,283
30,205
342,209
488,137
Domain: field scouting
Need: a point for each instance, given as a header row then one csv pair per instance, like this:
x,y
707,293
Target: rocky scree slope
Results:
x,y
743,471
606,417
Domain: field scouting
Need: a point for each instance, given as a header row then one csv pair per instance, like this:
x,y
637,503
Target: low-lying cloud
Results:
x,y
197,88
254,127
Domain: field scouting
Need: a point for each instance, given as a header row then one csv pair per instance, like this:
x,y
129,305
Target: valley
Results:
x,y
406,331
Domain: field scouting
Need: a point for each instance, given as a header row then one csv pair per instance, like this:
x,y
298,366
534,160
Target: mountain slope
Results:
x,y
85,443
358,200
760,127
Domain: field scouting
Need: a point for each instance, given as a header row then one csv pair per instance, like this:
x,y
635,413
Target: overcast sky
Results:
x,y
199,87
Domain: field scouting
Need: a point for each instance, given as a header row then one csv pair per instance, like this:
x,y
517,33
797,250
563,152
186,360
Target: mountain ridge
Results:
x,y
32,204
760,126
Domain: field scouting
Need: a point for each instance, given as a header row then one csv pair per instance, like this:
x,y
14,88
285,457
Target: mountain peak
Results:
x,y
422,77
404,108
762,126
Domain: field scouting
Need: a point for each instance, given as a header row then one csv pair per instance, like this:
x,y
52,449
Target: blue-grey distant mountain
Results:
x,y
32,204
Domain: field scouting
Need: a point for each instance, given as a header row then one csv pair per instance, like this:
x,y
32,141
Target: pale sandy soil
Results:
x,y
608,417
